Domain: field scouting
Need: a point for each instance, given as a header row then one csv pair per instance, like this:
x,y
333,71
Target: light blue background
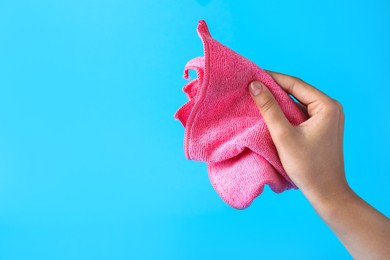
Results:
x,y
91,160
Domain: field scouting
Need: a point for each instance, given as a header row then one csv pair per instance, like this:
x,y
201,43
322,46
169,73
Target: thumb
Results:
x,y
276,121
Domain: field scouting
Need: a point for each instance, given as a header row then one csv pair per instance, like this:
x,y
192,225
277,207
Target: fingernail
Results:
x,y
256,87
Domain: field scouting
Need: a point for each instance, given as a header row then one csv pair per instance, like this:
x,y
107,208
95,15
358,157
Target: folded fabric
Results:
x,y
224,128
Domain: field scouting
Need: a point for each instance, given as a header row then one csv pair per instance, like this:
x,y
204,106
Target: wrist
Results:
x,y
329,200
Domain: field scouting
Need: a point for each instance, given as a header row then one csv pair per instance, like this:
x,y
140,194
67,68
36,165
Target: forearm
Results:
x,y
363,230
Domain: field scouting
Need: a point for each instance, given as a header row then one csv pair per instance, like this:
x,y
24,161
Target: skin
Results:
x,y
312,155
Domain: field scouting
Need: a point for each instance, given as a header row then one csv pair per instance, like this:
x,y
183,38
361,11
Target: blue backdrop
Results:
x,y
91,160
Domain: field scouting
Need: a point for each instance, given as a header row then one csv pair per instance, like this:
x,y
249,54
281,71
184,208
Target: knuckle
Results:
x,y
334,107
267,104
294,83
297,79
338,104
282,134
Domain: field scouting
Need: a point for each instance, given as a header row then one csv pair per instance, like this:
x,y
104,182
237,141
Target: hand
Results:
x,y
312,152
312,155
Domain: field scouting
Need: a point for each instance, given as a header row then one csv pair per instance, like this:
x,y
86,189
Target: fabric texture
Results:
x,y
224,128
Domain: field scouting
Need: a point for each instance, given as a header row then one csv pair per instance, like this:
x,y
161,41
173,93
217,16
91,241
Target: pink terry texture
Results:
x,y
224,128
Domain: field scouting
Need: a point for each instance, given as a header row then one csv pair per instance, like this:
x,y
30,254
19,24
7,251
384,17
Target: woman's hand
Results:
x,y
312,155
312,152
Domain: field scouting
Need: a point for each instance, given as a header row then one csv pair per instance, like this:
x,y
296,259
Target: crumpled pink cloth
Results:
x,y
224,128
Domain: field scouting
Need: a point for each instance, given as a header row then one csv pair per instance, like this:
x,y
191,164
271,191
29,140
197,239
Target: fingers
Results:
x,y
302,91
303,108
272,114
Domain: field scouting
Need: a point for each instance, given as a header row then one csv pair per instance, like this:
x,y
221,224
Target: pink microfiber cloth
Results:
x,y
224,128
